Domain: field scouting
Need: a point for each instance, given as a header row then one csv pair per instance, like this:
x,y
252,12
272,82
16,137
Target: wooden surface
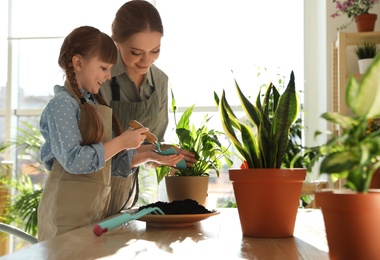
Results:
x,y
218,237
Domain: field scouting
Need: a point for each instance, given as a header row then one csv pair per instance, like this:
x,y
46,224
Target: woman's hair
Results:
x,y
133,17
88,42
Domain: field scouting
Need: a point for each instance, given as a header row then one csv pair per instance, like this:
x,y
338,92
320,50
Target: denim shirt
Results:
x,y
60,129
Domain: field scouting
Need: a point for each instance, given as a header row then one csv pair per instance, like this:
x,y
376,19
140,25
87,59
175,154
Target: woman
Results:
x,y
138,89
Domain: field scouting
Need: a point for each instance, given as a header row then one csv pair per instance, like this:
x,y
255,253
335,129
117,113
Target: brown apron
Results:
x,y
70,201
144,111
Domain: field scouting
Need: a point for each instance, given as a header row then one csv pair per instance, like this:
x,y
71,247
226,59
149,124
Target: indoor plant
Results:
x,y
365,52
355,9
209,152
262,150
22,208
352,214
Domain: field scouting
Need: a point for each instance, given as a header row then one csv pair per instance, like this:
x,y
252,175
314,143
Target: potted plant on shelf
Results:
x,y
192,182
365,52
267,194
352,214
358,11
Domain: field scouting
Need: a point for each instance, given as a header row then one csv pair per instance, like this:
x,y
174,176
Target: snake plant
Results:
x,y
272,116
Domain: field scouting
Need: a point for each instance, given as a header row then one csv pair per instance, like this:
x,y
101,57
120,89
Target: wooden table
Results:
x,y
218,237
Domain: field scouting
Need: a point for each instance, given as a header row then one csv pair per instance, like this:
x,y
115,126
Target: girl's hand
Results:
x,y
130,139
133,139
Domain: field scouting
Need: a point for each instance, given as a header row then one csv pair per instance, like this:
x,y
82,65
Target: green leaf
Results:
x,y
339,162
343,121
285,115
363,98
250,110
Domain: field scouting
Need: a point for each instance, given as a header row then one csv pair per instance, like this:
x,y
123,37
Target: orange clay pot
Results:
x,y
352,223
366,22
375,182
267,200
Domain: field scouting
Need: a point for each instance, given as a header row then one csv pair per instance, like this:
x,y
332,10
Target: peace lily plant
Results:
x,y
204,142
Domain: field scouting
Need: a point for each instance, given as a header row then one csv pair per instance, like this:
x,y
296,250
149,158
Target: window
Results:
x,y
206,44
204,40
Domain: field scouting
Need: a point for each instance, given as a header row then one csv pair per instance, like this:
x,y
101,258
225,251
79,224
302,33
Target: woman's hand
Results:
x,y
188,156
167,160
155,159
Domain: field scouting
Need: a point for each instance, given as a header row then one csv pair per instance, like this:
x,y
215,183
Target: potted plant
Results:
x,y
365,52
351,214
358,11
21,209
264,190
192,182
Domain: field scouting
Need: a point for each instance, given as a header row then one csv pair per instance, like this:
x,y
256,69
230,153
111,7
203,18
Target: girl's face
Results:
x,y
140,51
91,73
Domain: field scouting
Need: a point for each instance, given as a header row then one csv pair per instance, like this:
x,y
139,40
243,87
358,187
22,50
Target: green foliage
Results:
x,y
22,209
204,143
354,152
272,116
298,156
29,140
366,51
201,141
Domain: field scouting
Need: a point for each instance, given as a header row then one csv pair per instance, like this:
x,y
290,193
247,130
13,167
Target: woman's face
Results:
x,y
140,51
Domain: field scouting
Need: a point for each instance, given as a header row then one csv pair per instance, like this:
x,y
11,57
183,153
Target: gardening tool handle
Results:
x,y
110,224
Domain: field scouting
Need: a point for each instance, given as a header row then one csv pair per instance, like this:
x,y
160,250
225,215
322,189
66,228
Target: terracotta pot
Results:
x,y
375,182
267,200
366,22
351,222
187,187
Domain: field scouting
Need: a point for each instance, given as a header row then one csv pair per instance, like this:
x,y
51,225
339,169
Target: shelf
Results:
x,y
340,75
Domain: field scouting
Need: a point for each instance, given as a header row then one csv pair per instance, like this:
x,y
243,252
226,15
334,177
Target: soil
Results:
x,y
187,206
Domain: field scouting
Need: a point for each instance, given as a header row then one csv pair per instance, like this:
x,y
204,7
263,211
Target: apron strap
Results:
x,y
151,77
115,89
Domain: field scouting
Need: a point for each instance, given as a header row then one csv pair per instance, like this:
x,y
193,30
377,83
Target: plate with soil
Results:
x,y
178,213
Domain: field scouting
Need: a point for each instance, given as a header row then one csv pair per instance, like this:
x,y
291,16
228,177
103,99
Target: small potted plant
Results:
x,y
352,214
264,190
365,52
192,182
358,11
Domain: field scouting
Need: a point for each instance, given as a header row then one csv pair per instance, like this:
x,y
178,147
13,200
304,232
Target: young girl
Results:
x,y
78,128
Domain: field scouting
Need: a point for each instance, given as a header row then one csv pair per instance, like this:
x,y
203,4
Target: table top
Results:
x,y
218,236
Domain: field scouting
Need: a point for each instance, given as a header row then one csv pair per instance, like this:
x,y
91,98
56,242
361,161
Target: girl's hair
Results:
x,y
133,17
88,42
